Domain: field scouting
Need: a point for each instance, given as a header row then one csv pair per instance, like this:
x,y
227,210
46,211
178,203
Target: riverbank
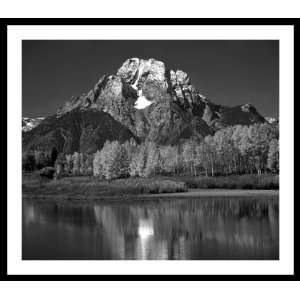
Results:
x,y
216,193
242,182
85,187
190,194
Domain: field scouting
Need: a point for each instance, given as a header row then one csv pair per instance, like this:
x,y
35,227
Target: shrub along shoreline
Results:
x,y
249,182
92,188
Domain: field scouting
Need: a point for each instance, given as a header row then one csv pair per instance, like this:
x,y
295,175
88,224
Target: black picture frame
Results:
x,y
3,90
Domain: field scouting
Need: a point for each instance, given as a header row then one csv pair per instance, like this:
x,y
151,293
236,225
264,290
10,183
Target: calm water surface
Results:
x,y
206,228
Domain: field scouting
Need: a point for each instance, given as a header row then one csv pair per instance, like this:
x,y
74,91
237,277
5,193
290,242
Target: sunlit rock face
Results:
x,y
154,79
150,100
172,104
29,123
137,70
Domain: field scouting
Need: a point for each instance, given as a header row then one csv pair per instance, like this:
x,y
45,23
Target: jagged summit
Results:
x,y
150,100
140,77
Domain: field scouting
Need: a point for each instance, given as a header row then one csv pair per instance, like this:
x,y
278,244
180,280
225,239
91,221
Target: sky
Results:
x,y
227,72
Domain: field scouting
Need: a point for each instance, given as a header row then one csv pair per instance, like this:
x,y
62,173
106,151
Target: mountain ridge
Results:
x,y
150,100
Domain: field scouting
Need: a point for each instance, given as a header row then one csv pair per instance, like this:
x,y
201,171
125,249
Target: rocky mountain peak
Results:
x,y
135,69
248,107
152,101
140,72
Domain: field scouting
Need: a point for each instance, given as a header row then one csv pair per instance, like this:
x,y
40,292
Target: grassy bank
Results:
x,y
90,187
248,181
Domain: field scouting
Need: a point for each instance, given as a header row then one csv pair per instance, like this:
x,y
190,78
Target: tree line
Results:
x,y
233,150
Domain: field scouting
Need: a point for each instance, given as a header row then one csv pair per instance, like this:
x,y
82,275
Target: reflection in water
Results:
x,y
145,232
206,228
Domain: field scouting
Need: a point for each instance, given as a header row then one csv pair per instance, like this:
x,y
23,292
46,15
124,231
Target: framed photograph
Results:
x,y
149,152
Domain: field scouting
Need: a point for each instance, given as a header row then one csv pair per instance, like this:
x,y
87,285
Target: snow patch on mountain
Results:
x,y
141,102
271,120
30,123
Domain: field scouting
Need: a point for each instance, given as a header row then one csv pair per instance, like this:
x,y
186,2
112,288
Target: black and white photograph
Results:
x,y
150,150
148,158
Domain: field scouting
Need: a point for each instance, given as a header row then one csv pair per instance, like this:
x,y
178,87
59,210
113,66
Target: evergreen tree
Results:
x,y
42,159
28,162
54,154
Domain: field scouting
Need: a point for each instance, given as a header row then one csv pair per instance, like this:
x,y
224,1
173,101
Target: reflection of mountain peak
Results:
x,y
145,228
166,230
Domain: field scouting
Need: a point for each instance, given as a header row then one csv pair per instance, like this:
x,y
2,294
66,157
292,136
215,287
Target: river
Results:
x,y
195,228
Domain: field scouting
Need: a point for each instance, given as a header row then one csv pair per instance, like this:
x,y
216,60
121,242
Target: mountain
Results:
x,y
271,120
30,123
84,131
144,100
